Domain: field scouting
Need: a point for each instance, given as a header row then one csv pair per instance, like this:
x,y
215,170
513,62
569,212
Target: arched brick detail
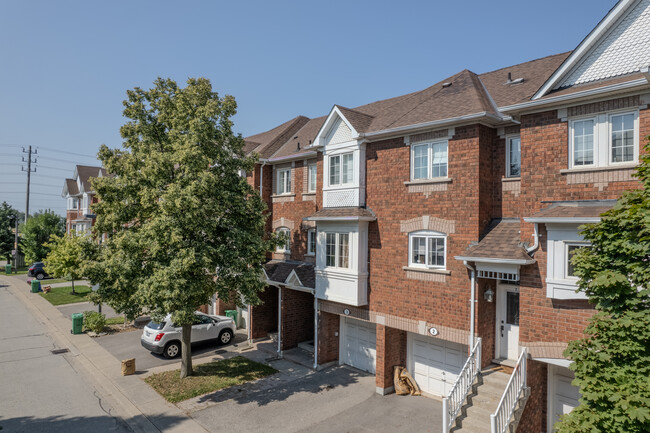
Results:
x,y
283,222
427,222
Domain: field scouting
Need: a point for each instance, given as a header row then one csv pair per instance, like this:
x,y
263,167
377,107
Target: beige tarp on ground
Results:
x,y
404,382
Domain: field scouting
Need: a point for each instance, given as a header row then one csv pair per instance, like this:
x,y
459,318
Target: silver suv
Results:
x,y
165,337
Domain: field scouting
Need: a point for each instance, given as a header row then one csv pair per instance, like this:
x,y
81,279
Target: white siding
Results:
x,y
624,49
340,133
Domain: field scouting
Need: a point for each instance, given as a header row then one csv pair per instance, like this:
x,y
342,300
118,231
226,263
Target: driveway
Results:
x,y
337,399
127,345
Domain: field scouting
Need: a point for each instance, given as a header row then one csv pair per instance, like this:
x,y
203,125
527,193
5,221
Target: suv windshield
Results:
x,y
155,325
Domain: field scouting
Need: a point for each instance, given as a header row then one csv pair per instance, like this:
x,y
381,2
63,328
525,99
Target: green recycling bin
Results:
x,y
8,269
36,286
77,323
233,314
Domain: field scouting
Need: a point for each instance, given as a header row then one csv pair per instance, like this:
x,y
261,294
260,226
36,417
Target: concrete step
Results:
x,y
473,425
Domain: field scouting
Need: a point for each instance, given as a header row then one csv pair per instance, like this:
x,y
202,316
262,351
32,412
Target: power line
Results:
x,y
52,168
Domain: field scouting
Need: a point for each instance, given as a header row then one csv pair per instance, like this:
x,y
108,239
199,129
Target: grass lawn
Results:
x,y
54,281
62,295
208,378
115,321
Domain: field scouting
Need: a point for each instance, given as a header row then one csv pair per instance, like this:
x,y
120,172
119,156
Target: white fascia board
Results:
x,y
584,47
495,260
628,85
433,124
560,220
295,156
341,218
555,361
326,125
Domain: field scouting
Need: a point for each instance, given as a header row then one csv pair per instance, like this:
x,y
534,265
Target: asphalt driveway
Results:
x,y
127,345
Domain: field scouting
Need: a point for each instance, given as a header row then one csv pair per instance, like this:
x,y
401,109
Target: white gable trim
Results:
x,y
335,114
585,46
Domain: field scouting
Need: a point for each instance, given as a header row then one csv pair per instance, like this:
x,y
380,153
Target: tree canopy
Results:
x,y
68,255
7,224
612,362
183,223
36,232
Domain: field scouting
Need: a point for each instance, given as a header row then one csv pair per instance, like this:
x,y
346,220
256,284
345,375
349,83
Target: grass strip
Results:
x,y
208,378
63,295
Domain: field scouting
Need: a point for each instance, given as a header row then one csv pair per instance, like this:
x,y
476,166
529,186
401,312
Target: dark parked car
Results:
x,y
37,270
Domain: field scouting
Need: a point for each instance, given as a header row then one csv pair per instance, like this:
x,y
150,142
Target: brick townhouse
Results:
x,y
79,195
420,225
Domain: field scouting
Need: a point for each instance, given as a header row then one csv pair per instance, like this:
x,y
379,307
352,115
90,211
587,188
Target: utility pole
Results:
x,y
29,172
16,244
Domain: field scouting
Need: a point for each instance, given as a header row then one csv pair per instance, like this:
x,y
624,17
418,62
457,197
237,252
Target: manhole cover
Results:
x,y
58,351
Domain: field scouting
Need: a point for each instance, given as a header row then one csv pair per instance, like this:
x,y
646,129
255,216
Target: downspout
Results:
x,y
472,300
535,242
315,332
280,321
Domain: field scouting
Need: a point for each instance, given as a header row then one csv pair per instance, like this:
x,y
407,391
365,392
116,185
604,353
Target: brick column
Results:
x,y
533,419
391,352
328,337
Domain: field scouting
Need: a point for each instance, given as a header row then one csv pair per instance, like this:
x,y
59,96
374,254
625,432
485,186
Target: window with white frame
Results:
x,y
73,203
337,250
427,249
285,234
513,156
570,249
429,160
85,202
311,242
341,169
311,178
284,181
604,140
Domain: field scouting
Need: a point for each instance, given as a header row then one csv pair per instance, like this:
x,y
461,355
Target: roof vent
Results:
x,y
515,81
445,85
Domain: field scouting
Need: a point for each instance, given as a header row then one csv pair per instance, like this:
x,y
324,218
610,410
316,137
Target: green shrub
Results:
x,y
94,321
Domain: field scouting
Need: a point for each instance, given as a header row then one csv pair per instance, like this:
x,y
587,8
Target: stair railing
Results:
x,y
500,419
451,405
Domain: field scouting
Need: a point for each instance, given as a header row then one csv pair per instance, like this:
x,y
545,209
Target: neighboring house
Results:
x,y
79,195
401,212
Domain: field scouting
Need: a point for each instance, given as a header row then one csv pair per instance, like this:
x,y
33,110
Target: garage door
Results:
x,y
358,345
564,396
435,364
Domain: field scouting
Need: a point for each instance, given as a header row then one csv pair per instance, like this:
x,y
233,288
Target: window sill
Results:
x,y
309,193
427,270
592,169
282,195
428,181
310,254
510,179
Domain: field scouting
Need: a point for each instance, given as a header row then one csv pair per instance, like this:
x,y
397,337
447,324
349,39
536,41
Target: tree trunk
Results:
x,y
186,351
73,292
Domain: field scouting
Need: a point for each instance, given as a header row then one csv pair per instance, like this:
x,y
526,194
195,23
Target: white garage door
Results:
x,y
435,364
358,345
563,396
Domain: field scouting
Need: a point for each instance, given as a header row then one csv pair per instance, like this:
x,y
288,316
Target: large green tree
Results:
x,y
182,222
36,232
68,255
612,361
8,217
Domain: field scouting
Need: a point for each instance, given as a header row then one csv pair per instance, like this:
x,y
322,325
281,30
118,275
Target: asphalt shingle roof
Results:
x,y
278,271
500,241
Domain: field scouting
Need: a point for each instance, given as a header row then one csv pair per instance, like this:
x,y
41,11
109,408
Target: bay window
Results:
x,y
341,169
311,242
337,250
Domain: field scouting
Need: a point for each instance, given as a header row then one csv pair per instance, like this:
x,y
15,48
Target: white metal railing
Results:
x,y
500,419
451,405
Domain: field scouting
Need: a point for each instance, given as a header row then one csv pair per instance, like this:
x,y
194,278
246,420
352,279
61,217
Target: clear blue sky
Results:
x,y
65,65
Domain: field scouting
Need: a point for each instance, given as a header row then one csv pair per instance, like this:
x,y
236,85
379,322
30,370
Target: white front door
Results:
x,y
507,322
562,396
358,346
435,363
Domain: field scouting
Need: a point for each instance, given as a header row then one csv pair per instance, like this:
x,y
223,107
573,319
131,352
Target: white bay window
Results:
x,y
337,250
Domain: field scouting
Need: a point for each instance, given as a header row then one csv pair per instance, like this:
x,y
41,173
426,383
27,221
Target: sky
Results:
x,y
65,66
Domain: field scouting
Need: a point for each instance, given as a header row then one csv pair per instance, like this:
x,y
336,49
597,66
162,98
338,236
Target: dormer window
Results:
x,y
429,160
284,181
341,169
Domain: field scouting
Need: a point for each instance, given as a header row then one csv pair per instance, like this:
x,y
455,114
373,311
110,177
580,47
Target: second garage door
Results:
x,y
434,363
358,345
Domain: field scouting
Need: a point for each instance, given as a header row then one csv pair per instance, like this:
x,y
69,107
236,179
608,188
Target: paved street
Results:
x,y
41,391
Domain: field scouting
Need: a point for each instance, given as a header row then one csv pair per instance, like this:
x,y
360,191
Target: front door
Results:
x,y
507,322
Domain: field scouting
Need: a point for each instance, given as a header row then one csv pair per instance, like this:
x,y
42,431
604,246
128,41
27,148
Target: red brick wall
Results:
x,y
220,307
485,320
391,352
264,317
533,419
297,317
328,339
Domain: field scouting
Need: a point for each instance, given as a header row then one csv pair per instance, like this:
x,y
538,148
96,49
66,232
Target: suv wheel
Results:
x,y
172,350
225,336
40,276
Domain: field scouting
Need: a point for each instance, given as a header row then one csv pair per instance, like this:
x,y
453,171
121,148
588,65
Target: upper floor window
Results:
x,y
73,203
513,157
427,249
311,242
341,169
604,140
429,160
337,250
286,235
284,181
311,178
85,202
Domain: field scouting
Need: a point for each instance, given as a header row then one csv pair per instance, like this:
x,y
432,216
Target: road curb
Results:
x,y
150,414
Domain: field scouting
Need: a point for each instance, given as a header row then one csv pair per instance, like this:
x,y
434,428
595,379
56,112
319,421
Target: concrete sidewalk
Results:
x,y
140,406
